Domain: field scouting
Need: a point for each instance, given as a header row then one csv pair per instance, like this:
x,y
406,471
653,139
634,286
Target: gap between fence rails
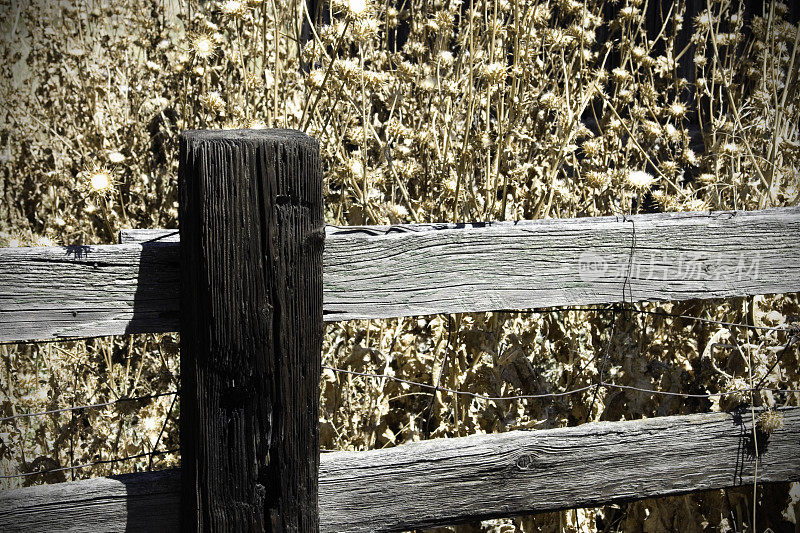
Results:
x,y
438,387
613,309
579,309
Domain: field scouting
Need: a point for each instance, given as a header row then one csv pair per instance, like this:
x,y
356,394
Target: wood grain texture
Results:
x,y
446,481
480,477
251,330
386,271
130,503
399,271
88,291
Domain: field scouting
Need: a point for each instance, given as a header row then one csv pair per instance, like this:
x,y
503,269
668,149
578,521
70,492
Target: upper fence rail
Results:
x,y
405,270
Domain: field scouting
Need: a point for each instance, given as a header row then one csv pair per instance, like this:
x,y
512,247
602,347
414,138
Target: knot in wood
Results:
x,y
528,461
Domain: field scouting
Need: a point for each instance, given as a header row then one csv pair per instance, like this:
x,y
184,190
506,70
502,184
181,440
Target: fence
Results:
x,y
248,284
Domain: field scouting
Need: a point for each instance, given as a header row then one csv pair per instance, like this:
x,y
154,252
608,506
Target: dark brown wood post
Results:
x,y
252,233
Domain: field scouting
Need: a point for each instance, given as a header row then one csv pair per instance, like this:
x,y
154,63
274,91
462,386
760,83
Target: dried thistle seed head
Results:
x,y
116,157
672,133
364,28
213,102
202,45
376,80
652,129
355,168
450,184
399,212
620,74
670,168
598,180
569,7
677,109
730,148
347,69
638,53
97,180
696,204
315,78
703,21
593,147
100,181
233,8
661,197
541,15
629,13
14,240
256,124
548,100
446,58
700,60
392,17
639,180
690,157
415,48
429,84
353,9
43,241
770,421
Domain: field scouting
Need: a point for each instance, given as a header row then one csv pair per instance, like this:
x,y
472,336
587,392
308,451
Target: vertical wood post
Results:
x,y
252,233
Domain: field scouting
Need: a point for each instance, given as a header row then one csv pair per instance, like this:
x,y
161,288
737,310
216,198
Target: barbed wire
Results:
x,y
613,309
89,406
163,428
551,394
453,391
791,340
86,465
695,395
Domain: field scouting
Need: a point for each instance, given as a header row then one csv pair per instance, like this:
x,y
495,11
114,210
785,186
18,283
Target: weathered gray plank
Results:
x,y
386,271
135,502
451,480
88,291
396,272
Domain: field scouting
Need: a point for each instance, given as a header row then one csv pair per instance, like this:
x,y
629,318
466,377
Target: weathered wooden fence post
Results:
x,y
252,233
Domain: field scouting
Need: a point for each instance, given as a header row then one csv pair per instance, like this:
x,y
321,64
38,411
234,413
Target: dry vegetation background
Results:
x,y
427,110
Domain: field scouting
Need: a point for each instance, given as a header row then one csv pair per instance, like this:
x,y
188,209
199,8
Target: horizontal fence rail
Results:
x,y
448,481
405,270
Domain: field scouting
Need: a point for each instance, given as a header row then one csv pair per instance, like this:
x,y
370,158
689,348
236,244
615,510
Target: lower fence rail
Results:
x,y
447,481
